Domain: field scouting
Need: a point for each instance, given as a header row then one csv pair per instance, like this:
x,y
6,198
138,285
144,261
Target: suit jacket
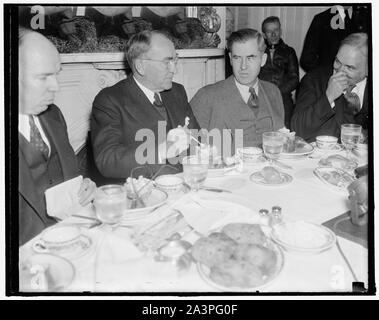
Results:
x,y
122,111
313,114
32,209
322,40
221,106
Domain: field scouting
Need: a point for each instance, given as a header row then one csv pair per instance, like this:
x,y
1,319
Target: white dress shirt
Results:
x,y
148,93
24,128
244,90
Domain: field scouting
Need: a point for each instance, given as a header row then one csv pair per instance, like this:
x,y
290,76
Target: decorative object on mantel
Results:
x,y
107,29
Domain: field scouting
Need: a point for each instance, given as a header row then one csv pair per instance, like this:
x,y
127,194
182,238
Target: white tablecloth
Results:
x,y
114,264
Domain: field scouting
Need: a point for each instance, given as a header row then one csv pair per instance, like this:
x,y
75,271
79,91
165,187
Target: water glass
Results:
x,y
350,135
195,171
110,203
272,143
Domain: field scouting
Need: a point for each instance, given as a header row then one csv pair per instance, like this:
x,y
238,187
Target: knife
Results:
x,y
282,165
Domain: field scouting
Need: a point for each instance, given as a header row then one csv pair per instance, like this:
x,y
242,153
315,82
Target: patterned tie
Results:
x,y
352,99
160,106
253,101
36,139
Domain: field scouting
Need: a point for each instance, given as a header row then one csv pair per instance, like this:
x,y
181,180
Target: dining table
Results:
x,y
115,263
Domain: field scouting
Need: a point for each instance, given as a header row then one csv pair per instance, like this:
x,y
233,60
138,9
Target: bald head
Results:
x,y
39,64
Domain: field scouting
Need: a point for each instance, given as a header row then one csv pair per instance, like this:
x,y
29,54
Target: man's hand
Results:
x,y
178,140
86,192
336,86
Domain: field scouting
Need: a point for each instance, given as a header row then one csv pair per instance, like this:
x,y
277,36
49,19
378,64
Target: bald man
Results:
x,y
46,157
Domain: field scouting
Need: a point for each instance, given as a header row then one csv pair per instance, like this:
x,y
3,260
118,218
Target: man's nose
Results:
x,y
243,63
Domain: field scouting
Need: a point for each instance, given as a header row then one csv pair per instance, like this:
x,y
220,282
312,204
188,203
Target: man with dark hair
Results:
x,y
329,97
282,66
242,101
46,157
147,100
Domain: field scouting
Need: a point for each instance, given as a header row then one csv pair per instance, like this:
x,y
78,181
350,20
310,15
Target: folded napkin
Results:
x,y
206,215
62,200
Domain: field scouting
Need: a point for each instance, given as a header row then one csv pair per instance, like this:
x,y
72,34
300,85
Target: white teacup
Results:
x,y
60,240
326,142
169,183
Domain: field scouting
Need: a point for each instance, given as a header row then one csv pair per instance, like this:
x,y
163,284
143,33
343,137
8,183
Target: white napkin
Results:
x,y
206,215
62,200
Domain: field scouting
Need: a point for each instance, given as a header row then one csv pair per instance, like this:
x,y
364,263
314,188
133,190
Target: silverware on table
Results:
x,y
282,165
215,189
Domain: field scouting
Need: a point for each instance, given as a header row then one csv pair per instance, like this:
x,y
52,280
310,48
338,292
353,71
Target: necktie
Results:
x,y
160,106
36,139
253,102
352,99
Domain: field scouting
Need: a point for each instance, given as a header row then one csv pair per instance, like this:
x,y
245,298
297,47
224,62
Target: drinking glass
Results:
x,y
350,135
195,171
272,143
110,203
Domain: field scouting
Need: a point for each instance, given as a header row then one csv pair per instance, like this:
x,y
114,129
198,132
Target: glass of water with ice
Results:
x,y
195,170
110,203
272,143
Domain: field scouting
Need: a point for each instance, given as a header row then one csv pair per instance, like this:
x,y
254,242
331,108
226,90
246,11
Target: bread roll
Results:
x,y
271,175
245,233
257,255
213,250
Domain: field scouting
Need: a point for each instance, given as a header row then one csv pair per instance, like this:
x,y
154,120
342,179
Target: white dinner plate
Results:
x,y
59,273
257,177
303,236
219,172
305,150
204,272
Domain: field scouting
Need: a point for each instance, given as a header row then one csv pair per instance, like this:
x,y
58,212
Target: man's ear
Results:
x,y
264,59
139,67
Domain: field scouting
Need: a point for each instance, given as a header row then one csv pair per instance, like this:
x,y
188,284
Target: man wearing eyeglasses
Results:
x,y
126,116
329,97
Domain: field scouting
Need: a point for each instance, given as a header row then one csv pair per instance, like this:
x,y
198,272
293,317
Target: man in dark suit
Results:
x,y
327,30
46,157
144,107
329,97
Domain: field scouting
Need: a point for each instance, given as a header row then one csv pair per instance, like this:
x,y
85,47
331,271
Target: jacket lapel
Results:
x,y
25,183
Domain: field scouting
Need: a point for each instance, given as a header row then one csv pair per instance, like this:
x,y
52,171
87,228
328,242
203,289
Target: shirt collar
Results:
x,y
245,88
360,86
148,93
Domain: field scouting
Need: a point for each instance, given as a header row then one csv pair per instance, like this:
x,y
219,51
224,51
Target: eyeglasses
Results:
x,y
167,62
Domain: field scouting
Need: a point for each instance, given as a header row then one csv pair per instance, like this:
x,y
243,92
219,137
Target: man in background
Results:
x,y
329,97
46,157
326,32
282,66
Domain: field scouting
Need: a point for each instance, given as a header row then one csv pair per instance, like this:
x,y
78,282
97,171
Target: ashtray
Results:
x,y
176,252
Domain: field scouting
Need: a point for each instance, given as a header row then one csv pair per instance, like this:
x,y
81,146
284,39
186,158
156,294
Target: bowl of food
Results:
x,y
250,154
138,188
326,142
169,183
237,257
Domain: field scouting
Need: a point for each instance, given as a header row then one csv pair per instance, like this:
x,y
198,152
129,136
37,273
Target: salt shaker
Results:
x,y
264,217
276,215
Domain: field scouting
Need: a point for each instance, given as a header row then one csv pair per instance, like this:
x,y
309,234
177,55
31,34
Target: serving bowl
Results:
x,y
326,142
169,183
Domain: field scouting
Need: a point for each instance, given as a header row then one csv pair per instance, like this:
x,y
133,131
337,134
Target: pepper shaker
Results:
x,y
264,217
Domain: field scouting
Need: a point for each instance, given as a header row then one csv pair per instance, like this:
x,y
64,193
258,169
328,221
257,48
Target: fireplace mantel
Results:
x,y
83,75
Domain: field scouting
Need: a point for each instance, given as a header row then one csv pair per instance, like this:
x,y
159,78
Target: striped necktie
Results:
x,y
36,139
253,101
353,100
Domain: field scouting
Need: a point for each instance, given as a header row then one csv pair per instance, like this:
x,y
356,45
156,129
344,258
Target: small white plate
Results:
x,y
303,236
59,273
204,273
156,199
257,177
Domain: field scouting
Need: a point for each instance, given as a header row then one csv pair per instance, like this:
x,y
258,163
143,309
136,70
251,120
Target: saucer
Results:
x,y
58,273
257,177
